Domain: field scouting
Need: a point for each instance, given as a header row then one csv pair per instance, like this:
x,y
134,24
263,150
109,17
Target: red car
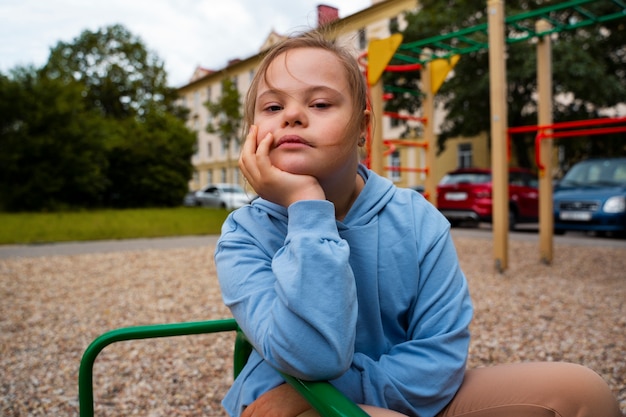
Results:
x,y
464,195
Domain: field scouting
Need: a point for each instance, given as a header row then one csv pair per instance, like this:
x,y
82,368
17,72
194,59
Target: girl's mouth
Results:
x,y
291,140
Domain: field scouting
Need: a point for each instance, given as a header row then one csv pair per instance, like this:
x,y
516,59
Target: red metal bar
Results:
x,y
403,68
572,133
567,125
403,142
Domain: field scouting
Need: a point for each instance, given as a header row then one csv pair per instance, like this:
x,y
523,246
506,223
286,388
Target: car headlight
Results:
x,y
615,204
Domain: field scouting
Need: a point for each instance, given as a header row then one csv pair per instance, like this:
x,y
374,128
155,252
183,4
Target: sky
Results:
x,y
184,34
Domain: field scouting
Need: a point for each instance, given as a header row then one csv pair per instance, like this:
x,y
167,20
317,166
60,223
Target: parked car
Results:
x,y
592,197
226,196
465,195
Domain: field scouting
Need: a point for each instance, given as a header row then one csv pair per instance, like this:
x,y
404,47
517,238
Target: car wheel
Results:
x,y
512,219
559,232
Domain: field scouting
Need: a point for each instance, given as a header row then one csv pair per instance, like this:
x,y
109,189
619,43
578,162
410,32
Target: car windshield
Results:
x,y
605,172
466,178
232,189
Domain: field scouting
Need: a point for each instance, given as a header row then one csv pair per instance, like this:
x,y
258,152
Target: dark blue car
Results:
x,y
592,197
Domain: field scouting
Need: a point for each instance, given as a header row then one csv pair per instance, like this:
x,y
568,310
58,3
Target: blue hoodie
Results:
x,y
376,304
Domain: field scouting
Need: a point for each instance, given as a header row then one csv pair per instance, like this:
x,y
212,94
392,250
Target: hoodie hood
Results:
x,y
373,198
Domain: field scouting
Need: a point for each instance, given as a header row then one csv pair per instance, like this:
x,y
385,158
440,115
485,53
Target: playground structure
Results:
x,y
436,56
430,53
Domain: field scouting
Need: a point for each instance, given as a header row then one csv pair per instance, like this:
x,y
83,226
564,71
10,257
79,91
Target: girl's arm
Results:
x,y
298,306
420,376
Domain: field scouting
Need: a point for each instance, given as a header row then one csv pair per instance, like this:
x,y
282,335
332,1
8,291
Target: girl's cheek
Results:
x,y
261,134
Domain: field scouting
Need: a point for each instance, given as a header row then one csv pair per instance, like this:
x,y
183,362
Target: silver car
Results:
x,y
225,196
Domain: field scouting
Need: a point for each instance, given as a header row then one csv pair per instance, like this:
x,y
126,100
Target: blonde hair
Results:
x,y
314,39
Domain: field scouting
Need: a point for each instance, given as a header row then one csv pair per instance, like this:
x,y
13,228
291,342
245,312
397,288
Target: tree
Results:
x,y
52,147
226,115
149,162
96,126
121,77
588,67
148,146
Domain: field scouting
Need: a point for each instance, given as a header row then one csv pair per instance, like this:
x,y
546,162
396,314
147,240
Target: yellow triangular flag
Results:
x,y
439,69
379,53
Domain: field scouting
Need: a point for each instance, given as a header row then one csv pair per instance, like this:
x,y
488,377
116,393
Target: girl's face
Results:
x,y
306,103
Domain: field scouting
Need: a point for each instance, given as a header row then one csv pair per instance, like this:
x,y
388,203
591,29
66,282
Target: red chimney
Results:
x,y
326,14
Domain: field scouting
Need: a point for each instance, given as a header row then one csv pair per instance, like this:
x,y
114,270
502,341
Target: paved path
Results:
x,y
73,248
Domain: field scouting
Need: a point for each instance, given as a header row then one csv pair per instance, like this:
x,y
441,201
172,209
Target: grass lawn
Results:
x,y
22,228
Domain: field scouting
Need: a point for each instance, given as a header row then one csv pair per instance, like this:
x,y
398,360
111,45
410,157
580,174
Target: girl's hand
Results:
x,y
282,401
270,182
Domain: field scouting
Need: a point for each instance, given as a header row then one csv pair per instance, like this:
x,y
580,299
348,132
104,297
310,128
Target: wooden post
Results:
x,y
377,148
544,85
428,109
499,126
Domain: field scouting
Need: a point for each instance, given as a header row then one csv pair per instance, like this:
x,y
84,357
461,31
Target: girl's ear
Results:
x,y
367,118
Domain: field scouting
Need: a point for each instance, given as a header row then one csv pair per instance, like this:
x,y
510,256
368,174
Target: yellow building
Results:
x,y
214,163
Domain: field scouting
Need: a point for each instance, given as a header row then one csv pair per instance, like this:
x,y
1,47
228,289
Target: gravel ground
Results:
x,y
53,307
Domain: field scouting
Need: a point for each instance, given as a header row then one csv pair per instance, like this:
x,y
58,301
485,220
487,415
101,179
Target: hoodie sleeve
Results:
x,y
421,375
298,306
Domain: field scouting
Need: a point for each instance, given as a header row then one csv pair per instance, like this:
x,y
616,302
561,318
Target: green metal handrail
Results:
x,y
326,399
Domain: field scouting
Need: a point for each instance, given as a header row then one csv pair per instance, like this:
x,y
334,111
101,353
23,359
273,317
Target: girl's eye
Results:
x,y
320,105
273,108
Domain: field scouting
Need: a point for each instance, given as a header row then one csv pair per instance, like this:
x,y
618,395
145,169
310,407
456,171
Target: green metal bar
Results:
x,y
85,373
426,42
325,398
243,349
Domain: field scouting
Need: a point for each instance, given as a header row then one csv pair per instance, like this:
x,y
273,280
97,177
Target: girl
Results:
x,y
335,274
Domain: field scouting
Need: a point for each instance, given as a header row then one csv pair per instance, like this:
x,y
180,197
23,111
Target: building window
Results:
x,y
209,149
196,100
464,155
223,173
236,176
362,39
208,93
209,177
394,26
394,160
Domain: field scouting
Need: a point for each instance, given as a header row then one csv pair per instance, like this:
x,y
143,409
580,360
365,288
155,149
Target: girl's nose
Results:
x,y
294,115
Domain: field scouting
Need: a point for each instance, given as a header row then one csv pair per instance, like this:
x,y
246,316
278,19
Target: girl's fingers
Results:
x,y
263,152
248,153
249,145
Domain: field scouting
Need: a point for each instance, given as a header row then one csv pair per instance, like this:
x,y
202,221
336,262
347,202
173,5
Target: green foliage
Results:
x,y
53,148
226,115
149,163
97,126
226,112
588,68
120,76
